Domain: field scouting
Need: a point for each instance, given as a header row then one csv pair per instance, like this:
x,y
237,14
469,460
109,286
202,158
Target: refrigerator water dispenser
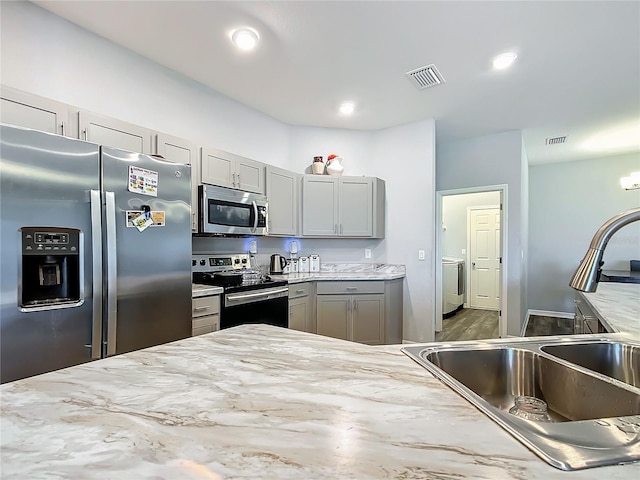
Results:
x,y
50,267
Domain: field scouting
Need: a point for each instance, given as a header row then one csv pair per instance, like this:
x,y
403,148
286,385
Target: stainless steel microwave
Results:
x,y
224,211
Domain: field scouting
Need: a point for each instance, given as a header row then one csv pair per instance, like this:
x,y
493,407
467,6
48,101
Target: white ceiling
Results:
x,y
577,72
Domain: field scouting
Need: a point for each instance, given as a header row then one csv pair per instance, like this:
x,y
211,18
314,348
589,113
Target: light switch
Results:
x,y
421,255
464,251
253,247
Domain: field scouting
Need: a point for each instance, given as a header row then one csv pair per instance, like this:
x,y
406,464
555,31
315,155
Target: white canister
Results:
x,y
293,266
303,264
314,262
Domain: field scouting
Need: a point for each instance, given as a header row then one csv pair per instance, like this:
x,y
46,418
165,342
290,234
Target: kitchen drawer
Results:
x,y
205,306
350,287
206,324
297,290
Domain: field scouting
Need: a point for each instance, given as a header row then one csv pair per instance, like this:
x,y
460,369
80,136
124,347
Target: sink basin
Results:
x,y
614,359
582,415
501,375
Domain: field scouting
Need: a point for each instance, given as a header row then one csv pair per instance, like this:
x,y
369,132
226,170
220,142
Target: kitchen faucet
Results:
x,y
587,276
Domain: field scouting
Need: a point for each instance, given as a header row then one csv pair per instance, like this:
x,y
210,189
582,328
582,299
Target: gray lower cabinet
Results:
x,y
342,206
282,191
585,319
301,307
205,317
352,311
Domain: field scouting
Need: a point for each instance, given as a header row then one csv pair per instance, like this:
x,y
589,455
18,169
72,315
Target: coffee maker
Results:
x,y
50,270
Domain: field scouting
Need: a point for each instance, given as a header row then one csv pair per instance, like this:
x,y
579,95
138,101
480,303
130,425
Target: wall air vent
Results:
x,y
556,140
424,77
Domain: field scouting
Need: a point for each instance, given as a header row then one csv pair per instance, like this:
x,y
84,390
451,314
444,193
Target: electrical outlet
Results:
x,y
367,253
464,251
253,247
421,255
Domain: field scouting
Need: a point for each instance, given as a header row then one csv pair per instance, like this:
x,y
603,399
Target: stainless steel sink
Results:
x,y
614,359
569,414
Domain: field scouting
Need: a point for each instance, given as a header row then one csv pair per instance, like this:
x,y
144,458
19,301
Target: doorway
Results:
x,y
473,233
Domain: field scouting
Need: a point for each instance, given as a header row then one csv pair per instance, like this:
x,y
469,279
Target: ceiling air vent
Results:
x,y
556,140
424,77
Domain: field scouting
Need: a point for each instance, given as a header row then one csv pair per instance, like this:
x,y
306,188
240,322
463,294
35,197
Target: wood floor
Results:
x,y
473,324
469,324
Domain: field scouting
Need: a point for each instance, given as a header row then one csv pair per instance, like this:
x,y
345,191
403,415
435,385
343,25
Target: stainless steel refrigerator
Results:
x,y
95,249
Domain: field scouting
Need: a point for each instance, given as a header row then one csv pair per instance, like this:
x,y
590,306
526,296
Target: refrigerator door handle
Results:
x,y
255,215
112,274
96,246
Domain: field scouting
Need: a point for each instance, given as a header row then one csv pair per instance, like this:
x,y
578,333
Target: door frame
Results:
x,y
467,256
504,230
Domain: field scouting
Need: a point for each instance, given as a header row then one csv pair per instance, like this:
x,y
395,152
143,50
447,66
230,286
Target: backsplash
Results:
x,y
361,268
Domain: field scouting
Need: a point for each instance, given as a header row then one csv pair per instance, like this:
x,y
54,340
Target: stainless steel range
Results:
x,y
249,296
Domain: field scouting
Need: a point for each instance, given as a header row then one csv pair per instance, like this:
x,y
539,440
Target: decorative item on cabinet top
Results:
x,y
317,167
334,165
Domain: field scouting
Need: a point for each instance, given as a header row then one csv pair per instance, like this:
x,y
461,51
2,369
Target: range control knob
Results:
x,y
237,260
244,260
203,262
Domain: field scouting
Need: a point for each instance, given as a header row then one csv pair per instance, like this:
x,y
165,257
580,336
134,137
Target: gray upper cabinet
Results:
x,y
282,191
319,206
182,151
32,111
355,212
232,171
113,133
342,206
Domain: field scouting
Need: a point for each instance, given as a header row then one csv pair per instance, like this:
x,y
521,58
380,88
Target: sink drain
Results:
x,y
530,408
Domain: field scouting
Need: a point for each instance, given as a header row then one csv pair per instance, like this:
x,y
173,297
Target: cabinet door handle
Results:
x,y
84,132
351,289
62,128
340,229
355,304
201,309
299,291
238,180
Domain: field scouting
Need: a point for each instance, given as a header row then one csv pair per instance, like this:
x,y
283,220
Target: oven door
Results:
x,y
232,212
265,305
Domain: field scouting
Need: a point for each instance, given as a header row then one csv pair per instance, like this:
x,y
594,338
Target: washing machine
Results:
x,y
452,285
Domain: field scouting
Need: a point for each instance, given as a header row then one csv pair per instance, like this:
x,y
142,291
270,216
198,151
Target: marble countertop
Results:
x,y
617,305
198,290
257,401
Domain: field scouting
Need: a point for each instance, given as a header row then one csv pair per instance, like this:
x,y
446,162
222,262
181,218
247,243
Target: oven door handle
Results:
x,y
232,299
255,215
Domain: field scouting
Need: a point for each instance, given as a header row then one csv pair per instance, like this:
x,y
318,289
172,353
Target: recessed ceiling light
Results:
x,y
347,108
245,38
504,60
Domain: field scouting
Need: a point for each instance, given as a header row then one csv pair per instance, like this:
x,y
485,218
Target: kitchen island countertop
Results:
x,y
617,306
257,401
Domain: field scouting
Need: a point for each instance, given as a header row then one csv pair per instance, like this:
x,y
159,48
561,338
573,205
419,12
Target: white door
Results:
x,y
484,257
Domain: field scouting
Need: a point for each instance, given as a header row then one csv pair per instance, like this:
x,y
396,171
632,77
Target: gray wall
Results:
x,y
493,160
568,202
